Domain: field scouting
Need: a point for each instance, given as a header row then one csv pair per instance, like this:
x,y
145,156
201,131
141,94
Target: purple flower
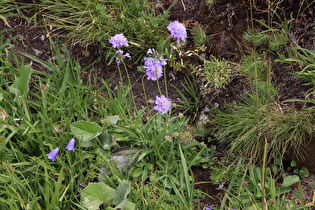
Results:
x,y
177,30
71,145
118,41
163,61
154,69
163,104
119,52
53,154
208,208
149,51
120,55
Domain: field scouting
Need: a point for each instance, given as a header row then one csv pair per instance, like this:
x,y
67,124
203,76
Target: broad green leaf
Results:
x,y
282,190
290,180
111,120
120,196
143,154
20,84
129,206
106,141
85,131
95,194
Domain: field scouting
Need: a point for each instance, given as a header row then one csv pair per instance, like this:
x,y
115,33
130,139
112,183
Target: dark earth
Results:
x,y
226,22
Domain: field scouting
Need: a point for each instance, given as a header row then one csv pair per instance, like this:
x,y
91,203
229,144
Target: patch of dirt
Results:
x,y
226,21
215,195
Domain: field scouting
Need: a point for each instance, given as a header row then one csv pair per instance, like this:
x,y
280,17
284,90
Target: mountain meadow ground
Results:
x,y
157,104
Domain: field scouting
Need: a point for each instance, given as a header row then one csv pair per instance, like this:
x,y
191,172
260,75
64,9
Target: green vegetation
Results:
x,y
131,157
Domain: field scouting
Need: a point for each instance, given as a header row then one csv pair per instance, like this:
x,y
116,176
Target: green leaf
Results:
x,y
290,180
85,131
20,84
111,120
304,172
120,196
293,163
95,194
143,154
129,206
107,141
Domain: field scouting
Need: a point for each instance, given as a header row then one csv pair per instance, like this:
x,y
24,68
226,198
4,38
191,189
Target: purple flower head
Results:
x,y
118,41
163,104
154,69
53,154
120,55
177,30
119,52
155,73
163,61
71,145
208,208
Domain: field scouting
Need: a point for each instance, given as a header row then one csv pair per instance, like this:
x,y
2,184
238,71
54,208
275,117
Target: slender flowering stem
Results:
x,y
145,95
157,82
121,78
133,98
166,92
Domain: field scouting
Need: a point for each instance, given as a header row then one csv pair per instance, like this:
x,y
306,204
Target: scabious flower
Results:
x,y
149,51
209,208
163,104
154,65
120,55
71,145
153,68
53,154
118,41
177,30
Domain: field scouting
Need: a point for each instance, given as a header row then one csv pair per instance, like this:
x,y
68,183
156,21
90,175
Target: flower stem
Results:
x,y
129,84
157,82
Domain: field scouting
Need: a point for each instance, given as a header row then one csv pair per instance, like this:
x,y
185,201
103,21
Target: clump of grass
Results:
x,y
237,127
276,34
96,21
254,62
199,35
216,74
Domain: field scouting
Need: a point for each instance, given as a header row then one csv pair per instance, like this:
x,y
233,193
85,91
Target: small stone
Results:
x,y
150,101
42,37
37,52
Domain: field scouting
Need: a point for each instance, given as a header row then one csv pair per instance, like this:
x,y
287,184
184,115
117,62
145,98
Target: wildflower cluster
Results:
x,y
53,154
153,65
118,41
120,55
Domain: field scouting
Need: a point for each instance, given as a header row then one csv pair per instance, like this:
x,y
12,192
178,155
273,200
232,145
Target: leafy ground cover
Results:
x,y
218,114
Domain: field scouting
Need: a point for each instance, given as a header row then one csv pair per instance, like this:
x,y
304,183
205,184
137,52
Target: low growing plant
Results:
x,y
236,126
139,21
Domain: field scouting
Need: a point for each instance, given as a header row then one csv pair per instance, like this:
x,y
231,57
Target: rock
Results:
x,y
121,160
